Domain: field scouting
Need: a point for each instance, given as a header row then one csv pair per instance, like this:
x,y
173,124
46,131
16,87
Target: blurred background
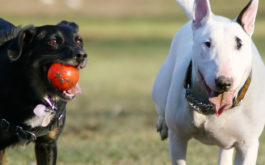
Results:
x,y
113,121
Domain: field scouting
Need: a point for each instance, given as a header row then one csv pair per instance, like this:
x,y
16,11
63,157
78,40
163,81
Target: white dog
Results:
x,y
212,85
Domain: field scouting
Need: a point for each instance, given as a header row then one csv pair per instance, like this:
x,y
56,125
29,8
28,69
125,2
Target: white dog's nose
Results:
x,y
223,83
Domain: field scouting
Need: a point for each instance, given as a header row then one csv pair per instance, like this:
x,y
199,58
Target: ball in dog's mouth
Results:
x,y
64,78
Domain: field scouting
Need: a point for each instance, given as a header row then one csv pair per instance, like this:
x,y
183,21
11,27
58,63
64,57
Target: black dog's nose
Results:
x,y
223,83
81,58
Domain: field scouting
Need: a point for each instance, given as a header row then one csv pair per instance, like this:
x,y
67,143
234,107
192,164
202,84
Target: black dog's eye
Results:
x,y
238,43
53,42
79,42
207,43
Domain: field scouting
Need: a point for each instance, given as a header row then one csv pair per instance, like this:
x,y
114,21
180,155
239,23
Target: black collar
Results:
x,y
208,108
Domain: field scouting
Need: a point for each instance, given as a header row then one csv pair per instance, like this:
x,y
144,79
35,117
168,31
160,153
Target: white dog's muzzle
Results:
x,y
209,107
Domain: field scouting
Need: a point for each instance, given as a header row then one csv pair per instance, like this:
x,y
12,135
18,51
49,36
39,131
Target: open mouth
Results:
x,y
60,83
71,93
221,100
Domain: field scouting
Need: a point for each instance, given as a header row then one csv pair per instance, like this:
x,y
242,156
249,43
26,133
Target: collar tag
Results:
x,y
44,114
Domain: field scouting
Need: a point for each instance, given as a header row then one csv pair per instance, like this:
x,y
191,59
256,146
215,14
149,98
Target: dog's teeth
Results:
x,y
68,94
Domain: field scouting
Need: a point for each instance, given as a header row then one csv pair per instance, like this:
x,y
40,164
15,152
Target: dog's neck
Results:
x,y
196,85
195,94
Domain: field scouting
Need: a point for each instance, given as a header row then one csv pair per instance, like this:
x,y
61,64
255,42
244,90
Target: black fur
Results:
x,y
25,56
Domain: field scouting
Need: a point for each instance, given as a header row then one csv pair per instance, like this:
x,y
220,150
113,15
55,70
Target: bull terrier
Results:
x,y
211,85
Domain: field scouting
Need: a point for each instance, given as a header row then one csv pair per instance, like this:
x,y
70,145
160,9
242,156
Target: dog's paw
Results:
x,y
161,127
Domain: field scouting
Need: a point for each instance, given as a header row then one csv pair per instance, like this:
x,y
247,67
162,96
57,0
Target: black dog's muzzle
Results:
x,y
80,58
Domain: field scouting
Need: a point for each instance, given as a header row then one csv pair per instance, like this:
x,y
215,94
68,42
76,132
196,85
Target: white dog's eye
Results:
x,y
238,43
207,44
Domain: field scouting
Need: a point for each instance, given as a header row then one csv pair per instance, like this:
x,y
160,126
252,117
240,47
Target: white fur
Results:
x,y
187,7
239,127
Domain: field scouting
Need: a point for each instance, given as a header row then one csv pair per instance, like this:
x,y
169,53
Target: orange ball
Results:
x,y
62,76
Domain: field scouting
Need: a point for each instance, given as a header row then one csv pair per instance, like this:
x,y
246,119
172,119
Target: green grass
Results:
x,y
113,121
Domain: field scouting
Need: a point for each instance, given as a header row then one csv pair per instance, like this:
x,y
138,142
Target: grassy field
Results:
x,y
113,121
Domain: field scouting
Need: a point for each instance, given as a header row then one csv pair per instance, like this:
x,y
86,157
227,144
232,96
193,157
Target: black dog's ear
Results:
x,y
16,46
70,25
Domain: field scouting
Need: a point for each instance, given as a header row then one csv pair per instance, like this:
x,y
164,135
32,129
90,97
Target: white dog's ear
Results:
x,y
201,13
247,17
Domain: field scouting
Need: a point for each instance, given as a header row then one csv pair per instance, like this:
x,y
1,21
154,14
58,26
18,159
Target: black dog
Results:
x,y
31,109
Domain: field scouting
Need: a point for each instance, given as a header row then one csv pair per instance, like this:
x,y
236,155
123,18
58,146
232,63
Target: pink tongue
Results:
x,y
75,90
221,101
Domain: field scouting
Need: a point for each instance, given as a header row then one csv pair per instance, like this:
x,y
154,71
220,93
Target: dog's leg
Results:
x,y
2,157
46,147
247,153
177,148
46,152
161,126
161,87
225,156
